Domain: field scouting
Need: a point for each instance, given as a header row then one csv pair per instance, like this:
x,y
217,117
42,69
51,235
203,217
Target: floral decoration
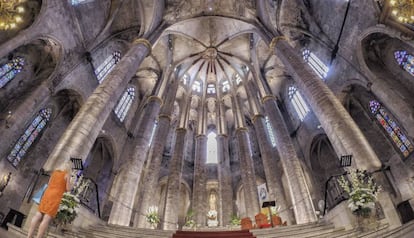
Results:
x,y
362,191
66,212
211,215
152,215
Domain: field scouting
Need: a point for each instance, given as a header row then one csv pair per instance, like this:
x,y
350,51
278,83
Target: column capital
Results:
x,y
275,40
144,42
181,129
155,98
241,129
200,135
256,116
168,117
222,135
268,97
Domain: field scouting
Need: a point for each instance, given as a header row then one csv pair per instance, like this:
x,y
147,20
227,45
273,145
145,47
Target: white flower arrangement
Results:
x,y
362,191
66,212
211,215
152,215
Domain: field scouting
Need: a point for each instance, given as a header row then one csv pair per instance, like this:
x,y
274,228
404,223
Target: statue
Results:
x,y
212,213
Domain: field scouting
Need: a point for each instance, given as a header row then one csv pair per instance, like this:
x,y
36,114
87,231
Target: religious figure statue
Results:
x,y
213,201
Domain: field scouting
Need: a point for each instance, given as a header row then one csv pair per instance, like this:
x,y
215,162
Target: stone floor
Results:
x,y
5,234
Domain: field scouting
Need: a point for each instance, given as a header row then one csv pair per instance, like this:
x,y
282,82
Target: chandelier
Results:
x,y
10,13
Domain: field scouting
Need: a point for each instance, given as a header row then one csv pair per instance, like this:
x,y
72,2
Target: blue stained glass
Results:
x,y
125,103
29,136
405,60
391,127
9,70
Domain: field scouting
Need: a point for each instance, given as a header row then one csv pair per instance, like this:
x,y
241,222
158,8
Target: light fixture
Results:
x,y
402,10
11,13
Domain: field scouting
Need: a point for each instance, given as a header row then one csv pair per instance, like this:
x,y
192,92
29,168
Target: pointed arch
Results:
x,y
125,103
9,70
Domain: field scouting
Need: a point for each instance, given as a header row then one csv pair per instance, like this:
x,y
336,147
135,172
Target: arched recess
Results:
x,y
27,16
388,80
324,163
240,202
388,152
40,60
184,201
98,167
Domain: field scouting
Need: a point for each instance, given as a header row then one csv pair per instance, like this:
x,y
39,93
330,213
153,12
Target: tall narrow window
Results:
x,y
9,70
211,148
124,104
153,132
405,60
185,79
298,103
270,132
226,87
391,127
238,79
315,63
197,86
105,68
26,140
211,89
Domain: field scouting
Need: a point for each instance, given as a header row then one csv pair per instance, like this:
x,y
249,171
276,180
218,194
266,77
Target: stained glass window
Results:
x,y
315,63
270,131
405,60
124,104
391,127
105,68
211,148
299,104
26,140
9,70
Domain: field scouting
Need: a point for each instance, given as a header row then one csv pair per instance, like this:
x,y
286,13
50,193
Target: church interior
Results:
x,y
206,113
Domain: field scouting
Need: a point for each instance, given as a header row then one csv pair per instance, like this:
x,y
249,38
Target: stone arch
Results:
x,y
41,58
240,203
324,163
98,167
185,199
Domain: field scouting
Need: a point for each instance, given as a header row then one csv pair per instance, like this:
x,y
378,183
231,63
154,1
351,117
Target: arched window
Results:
x,y
211,148
105,68
315,63
9,70
391,127
270,131
405,60
197,86
298,103
124,104
225,86
211,89
26,140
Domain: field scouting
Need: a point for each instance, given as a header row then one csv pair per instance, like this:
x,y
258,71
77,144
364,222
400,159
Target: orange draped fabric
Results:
x,y
53,195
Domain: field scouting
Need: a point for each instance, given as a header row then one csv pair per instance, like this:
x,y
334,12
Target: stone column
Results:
x,y
224,180
200,198
341,129
302,204
248,176
81,133
223,169
130,173
151,174
175,168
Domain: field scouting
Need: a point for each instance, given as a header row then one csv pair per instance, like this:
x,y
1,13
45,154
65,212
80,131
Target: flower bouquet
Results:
x,y
67,213
152,215
362,191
